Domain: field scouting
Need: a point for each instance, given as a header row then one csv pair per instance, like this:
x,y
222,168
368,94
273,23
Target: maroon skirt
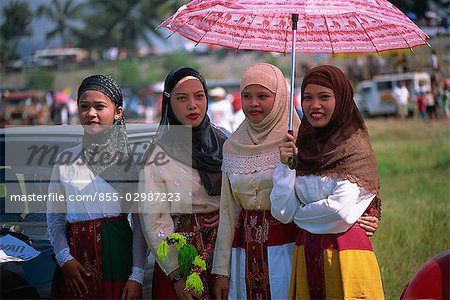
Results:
x,y
104,248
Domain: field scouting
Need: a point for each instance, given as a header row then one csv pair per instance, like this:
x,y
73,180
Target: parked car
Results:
x,y
375,97
21,175
30,62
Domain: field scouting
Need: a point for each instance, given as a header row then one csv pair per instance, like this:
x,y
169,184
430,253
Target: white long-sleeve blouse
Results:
x,y
76,180
317,204
181,192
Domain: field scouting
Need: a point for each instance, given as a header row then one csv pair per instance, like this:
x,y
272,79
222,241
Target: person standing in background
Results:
x,y
401,95
220,109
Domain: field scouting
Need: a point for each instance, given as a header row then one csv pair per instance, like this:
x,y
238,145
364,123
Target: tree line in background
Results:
x,y
95,25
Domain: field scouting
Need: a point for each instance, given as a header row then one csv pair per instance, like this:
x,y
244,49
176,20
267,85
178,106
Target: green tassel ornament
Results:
x,y
188,260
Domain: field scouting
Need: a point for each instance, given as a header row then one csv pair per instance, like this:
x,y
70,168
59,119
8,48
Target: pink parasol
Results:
x,y
289,26
61,98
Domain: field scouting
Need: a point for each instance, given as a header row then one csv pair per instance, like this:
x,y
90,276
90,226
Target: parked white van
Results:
x,y
375,97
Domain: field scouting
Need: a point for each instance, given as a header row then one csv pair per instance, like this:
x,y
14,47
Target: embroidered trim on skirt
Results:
x,y
261,258
104,249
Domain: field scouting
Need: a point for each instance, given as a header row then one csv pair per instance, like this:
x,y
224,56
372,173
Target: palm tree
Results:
x,y
16,24
64,14
118,23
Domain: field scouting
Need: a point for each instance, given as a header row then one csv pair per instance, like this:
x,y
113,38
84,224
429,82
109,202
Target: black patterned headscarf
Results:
x,y
205,148
103,84
119,169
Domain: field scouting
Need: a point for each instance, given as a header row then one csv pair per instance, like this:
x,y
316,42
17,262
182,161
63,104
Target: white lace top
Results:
x,y
317,204
239,190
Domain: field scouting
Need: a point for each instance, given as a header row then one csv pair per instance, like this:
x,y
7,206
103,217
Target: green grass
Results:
x,y
414,167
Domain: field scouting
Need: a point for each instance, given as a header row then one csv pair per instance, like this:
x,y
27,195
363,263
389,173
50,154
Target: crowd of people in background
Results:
x,y
225,111
425,103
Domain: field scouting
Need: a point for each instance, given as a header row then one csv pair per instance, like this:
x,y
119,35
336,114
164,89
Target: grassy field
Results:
x,y
414,166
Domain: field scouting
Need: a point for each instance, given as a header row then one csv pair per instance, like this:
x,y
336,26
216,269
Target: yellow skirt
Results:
x,y
335,266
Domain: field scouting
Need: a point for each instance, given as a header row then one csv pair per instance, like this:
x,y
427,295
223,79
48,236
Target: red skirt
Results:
x,y
261,257
104,248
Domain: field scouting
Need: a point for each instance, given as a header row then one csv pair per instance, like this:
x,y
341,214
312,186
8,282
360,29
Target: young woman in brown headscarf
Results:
x,y
334,183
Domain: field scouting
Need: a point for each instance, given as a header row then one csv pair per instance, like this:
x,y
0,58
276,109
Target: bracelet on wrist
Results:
x,y
222,276
177,277
292,162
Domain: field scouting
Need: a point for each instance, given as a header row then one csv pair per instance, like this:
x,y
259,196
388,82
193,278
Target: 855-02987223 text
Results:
x,y
106,197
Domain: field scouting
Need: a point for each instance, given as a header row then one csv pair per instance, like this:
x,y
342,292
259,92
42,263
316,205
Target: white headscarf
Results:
x,y
254,147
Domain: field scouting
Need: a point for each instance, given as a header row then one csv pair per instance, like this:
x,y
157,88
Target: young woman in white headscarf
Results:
x,y
254,251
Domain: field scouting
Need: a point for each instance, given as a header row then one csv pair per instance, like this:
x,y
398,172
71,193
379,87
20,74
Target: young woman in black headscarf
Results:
x,y
100,256
183,175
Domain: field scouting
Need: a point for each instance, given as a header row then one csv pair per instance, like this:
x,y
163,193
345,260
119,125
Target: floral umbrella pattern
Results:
x,y
323,26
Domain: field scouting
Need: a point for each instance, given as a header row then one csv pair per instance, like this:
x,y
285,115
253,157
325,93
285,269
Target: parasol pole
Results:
x,y
291,96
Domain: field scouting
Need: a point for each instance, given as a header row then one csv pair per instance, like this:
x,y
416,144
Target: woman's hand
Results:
x,y
211,222
182,293
287,149
221,286
131,290
179,286
369,224
74,274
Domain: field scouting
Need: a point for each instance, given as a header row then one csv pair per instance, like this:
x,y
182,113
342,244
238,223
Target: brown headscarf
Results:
x,y
342,148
